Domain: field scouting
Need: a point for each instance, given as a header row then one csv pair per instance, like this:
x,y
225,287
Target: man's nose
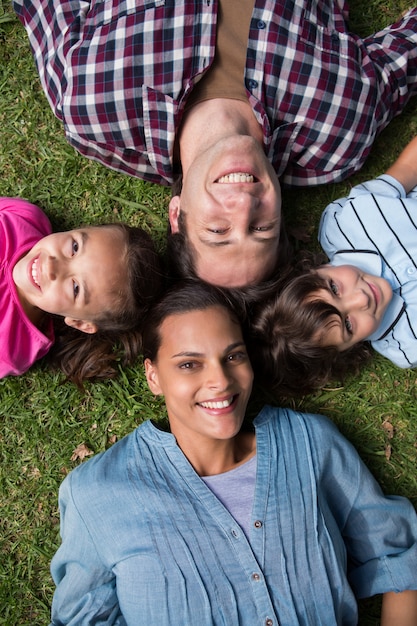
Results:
x,y
242,202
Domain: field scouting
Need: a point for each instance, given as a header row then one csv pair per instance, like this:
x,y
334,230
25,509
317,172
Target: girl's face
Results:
x,y
203,370
72,274
361,299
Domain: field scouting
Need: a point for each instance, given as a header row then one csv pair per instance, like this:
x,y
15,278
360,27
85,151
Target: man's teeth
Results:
x,y
35,272
217,405
236,177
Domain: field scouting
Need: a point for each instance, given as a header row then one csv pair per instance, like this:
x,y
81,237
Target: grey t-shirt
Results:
x,y
235,490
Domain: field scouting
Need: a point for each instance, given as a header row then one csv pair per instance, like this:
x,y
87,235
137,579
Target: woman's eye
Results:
x,y
237,357
76,289
189,365
74,247
333,287
348,325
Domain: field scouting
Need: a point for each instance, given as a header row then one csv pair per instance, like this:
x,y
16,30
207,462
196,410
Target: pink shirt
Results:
x,y
22,225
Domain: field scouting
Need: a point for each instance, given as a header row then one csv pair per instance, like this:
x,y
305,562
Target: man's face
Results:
x,y
231,199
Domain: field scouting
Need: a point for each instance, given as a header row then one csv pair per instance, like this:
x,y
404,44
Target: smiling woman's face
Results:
x,y
203,370
231,198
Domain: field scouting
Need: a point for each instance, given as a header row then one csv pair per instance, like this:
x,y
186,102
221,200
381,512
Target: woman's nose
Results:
x,y
218,377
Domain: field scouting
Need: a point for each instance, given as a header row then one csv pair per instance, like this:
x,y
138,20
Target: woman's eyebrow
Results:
x,y
230,347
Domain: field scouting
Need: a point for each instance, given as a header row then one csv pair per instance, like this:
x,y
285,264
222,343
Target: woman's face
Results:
x,y
203,370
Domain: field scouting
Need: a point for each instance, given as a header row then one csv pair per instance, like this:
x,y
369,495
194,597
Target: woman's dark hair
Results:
x,y
83,356
284,346
182,297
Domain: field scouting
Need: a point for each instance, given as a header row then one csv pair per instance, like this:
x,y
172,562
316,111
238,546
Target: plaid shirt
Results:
x,y
118,74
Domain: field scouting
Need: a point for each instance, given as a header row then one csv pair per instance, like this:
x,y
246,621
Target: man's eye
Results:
x,y
75,247
333,287
218,231
76,289
348,325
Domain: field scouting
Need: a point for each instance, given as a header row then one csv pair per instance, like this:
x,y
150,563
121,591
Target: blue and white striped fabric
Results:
x,y
375,228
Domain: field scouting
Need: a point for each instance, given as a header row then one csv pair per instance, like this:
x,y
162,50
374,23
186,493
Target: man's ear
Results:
x,y
152,377
173,213
85,327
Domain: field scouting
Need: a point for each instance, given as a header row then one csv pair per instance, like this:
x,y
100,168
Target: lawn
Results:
x,y
44,419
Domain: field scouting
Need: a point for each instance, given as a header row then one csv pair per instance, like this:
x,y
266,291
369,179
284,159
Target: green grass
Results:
x,y
43,420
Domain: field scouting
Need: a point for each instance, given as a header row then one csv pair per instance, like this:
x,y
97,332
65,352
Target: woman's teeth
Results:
x,y
217,405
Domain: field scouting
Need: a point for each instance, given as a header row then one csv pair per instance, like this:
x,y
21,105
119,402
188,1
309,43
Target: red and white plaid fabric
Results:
x,y
118,73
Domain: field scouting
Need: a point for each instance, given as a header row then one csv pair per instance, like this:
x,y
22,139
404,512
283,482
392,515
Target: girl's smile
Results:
x,y
33,271
72,274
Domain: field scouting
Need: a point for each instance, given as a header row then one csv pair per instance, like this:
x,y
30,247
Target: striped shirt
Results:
x,y
375,228
118,74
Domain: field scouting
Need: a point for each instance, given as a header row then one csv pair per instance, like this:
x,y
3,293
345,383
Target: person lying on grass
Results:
x,y
84,289
224,109
320,325
211,519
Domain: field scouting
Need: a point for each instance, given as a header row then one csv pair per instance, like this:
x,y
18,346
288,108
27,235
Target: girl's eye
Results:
x,y
333,287
348,325
74,246
76,289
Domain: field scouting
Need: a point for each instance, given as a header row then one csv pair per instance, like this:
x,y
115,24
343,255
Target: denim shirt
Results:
x,y
145,541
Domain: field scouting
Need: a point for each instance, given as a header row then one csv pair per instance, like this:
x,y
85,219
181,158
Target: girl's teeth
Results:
x,y
236,177
35,272
217,405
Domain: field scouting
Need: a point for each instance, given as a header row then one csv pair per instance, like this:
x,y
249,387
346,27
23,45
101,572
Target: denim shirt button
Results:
x,y
269,622
256,576
411,270
258,523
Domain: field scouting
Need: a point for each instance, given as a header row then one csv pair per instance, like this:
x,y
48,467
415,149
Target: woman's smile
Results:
x,y
203,371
